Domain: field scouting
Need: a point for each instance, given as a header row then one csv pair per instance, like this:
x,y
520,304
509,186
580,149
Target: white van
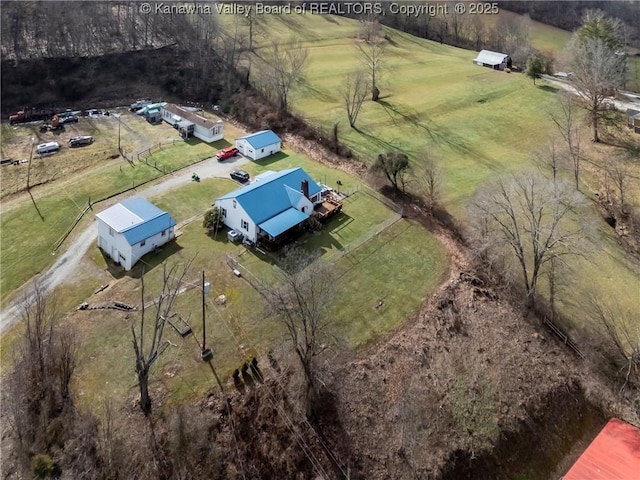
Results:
x,y
47,147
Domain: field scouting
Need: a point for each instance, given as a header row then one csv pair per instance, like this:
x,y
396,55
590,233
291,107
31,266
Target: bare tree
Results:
x,y
597,66
354,92
536,220
372,54
162,308
283,67
300,297
548,157
511,35
230,44
477,30
370,29
566,120
432,177
621,328
620,178
395,166
38,390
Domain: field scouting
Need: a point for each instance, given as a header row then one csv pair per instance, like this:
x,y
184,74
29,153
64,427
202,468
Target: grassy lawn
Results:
x,y
240,329
480,123
29,234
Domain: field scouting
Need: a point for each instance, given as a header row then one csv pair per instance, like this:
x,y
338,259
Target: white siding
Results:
x,y
247,150
115,245
235,216
209,134
304,205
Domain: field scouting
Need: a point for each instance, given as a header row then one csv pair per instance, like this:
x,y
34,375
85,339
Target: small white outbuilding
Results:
x,y
259,145
132,228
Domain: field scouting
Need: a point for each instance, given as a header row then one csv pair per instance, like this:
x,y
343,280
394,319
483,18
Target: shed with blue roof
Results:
x,y
273,208
259,145
132,228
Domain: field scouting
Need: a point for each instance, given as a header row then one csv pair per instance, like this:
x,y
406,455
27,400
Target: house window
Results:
x,y
164,232
262,151
224,212
111,232
234,204
244,225
142,243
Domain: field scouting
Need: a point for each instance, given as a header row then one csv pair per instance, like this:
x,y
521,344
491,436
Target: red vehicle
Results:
x,y
227,153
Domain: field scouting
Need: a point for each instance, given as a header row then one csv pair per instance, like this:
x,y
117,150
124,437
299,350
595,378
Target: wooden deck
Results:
x,y
327,209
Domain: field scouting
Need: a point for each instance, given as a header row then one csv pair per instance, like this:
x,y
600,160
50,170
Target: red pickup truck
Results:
x,y
227,153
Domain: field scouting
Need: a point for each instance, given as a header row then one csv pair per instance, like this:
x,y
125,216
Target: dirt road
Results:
x,y
632,99
68,262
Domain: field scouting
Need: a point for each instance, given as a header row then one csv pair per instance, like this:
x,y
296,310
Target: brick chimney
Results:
x,y
304,187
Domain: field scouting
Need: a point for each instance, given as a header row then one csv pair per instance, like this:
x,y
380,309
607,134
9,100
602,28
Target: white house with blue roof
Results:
x,y
259,145
273,208
132,228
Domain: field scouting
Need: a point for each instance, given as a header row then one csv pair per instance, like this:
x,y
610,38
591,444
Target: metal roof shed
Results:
x,y
494,60
613,455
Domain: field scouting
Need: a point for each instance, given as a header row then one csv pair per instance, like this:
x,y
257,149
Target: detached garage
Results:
x,y
259,145
129,230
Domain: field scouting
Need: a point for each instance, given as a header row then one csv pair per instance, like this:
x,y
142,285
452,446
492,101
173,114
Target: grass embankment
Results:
x,y
32,227
480,123
383,252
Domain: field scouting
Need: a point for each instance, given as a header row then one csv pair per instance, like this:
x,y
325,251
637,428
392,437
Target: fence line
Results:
x,y
128,189
562,336
145,153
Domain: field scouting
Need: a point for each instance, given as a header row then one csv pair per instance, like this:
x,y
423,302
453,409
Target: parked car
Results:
x,y
240,176
80,141
227,153
48,147
67,118
135,106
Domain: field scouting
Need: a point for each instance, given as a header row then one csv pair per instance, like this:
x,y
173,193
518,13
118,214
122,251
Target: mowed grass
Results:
x,y
31,228
479,123
384,251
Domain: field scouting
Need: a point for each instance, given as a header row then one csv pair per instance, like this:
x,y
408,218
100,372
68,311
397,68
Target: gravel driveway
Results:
x,y
68,261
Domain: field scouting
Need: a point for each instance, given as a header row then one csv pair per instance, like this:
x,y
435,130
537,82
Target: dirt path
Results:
x,y
67,263
633,101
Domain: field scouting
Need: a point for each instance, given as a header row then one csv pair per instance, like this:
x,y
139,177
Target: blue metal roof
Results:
x,y
142,208
283,221
269,197
261,139
148,229
137,219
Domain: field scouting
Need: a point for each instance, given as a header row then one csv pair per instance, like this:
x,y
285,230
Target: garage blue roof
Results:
x,y
137,219
283,221
261,139
273,194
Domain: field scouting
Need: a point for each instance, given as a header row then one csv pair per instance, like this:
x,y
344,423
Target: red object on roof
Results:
x,y
613,455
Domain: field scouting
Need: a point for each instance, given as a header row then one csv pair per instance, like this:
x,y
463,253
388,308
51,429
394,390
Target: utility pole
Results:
x,y
29,166
207,353
119,123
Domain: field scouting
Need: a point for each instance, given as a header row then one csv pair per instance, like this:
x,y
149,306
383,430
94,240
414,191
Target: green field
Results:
x,y
371,249
32,228
480,123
